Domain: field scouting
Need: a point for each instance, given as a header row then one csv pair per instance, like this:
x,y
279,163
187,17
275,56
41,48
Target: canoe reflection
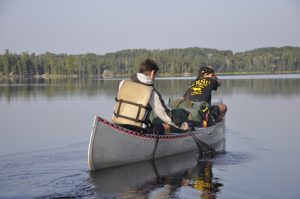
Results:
x,y
177,176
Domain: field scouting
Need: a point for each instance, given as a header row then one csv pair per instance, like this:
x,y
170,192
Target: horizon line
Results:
x,y
154,49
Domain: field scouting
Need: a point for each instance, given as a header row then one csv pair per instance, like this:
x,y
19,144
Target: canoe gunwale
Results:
x,y
204,131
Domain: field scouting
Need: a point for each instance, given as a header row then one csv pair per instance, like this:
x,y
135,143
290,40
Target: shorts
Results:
x,y
215,109
214,115
158,129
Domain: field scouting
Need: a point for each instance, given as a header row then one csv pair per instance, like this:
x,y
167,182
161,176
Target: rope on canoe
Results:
x,y
155,147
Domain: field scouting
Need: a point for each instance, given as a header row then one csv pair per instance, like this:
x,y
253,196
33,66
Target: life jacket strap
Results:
x,y
140,106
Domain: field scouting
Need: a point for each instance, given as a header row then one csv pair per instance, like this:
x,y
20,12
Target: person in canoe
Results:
x,y
137,97
201,88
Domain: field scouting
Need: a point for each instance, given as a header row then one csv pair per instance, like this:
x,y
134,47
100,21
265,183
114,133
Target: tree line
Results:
x,y
171,61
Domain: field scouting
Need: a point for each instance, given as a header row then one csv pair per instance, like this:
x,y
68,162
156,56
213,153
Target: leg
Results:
x,y
223,110
166,129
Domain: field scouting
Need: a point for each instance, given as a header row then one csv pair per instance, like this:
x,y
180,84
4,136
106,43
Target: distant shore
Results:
x,y
172,62
46,76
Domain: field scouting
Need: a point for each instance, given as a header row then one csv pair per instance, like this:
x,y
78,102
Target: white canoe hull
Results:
x,y
111,145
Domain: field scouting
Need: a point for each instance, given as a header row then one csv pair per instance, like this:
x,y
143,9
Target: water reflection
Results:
x,y
265,87
48,88
171,177
201,178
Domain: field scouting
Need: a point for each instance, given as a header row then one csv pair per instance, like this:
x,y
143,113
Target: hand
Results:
x,y
184,126
211,67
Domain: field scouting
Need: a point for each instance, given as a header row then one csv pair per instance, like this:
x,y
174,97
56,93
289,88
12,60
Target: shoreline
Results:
x,y
128,75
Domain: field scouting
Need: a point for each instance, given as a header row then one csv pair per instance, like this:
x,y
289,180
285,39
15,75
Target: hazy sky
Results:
x,y
102,26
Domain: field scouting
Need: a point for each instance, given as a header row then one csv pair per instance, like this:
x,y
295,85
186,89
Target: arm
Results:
x,y
216,78
213,75
160,109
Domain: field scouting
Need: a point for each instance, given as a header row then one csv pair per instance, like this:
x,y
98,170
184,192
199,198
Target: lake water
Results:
x,y
45,127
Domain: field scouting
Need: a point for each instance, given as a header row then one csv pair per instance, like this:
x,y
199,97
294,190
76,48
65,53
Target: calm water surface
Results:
x,y
45,127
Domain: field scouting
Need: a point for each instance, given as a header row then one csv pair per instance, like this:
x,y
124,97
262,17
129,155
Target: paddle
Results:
x,y
205,151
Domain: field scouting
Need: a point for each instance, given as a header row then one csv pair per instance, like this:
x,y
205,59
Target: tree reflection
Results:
x,y
31,88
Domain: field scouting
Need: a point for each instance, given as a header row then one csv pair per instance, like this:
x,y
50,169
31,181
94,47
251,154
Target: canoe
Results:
x,y
112,145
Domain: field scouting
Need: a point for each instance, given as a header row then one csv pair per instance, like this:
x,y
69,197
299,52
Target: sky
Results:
x,y
104,26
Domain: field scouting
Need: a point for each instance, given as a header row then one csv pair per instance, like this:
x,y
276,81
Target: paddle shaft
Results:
x,y
204,149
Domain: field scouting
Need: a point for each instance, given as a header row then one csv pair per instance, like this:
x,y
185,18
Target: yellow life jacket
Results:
x,y
132,104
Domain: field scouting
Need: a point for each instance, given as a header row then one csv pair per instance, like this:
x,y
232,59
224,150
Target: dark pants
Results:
x,y
214,115
157,129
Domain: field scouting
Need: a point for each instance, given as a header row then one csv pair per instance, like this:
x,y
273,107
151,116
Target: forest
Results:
x,y
171,61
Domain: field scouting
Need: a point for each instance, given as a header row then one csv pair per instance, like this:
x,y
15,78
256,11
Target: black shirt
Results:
x,y
200,89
